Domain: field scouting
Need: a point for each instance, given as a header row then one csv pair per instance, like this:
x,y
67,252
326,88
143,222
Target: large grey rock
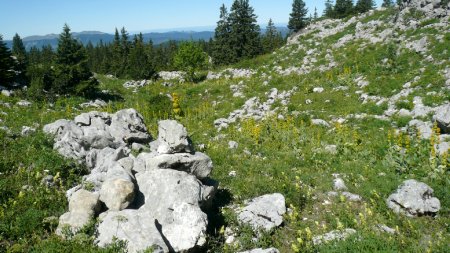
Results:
x,y
197,164
442,117
414,198
173,138
259,250
136,228
162,188
83,205
424,128
128,126
333,236
264,212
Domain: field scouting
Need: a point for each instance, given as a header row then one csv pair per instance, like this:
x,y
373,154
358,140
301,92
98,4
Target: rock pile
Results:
x,y
155,200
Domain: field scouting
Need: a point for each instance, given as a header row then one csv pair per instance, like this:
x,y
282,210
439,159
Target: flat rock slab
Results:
x,y
265,212
413,199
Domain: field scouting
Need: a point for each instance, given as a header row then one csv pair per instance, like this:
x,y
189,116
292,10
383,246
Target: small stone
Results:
x,y
339,185
233,145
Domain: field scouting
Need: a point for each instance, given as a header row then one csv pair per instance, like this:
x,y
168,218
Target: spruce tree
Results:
x,y
140,66
272,39
125,51
72,73
298,19
329,9
364,5
116,50
6,64
245,37
222,53
19,52
343,8
387,3
316,15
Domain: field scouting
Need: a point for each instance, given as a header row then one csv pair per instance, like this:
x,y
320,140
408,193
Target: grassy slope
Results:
x,y
287,155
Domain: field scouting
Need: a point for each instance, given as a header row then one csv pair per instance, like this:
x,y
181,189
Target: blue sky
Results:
x,y
40,17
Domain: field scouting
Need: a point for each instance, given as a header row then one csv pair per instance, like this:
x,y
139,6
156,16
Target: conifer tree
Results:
x,y
19,52
387,3
6,64
125,51
298,19
222,53
72,73
343,8
364,5
140,66
272,39
116,63
245,38
316,15
329,9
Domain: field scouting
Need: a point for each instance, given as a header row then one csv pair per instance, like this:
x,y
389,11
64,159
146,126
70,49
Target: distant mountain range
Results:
x,y
95,37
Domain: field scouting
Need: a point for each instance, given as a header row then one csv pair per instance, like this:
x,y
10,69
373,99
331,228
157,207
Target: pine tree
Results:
x,y
222,53
329,9
272,39
20,54
316,15
6,64
245,37
298,20
343,8
387,3
140,66
72,73
364,5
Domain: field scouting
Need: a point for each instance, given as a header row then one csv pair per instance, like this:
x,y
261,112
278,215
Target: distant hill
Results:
x,y
95,37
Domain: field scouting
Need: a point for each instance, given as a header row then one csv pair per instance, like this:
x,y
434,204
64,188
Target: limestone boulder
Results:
x,y
127,126
198,164
413,199
173,138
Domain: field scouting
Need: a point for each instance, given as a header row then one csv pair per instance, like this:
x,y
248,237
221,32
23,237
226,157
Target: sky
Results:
x,y
41,17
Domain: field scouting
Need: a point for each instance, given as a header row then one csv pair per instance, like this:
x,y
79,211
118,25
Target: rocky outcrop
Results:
x,y
413,199
431,8
254,109
155,200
